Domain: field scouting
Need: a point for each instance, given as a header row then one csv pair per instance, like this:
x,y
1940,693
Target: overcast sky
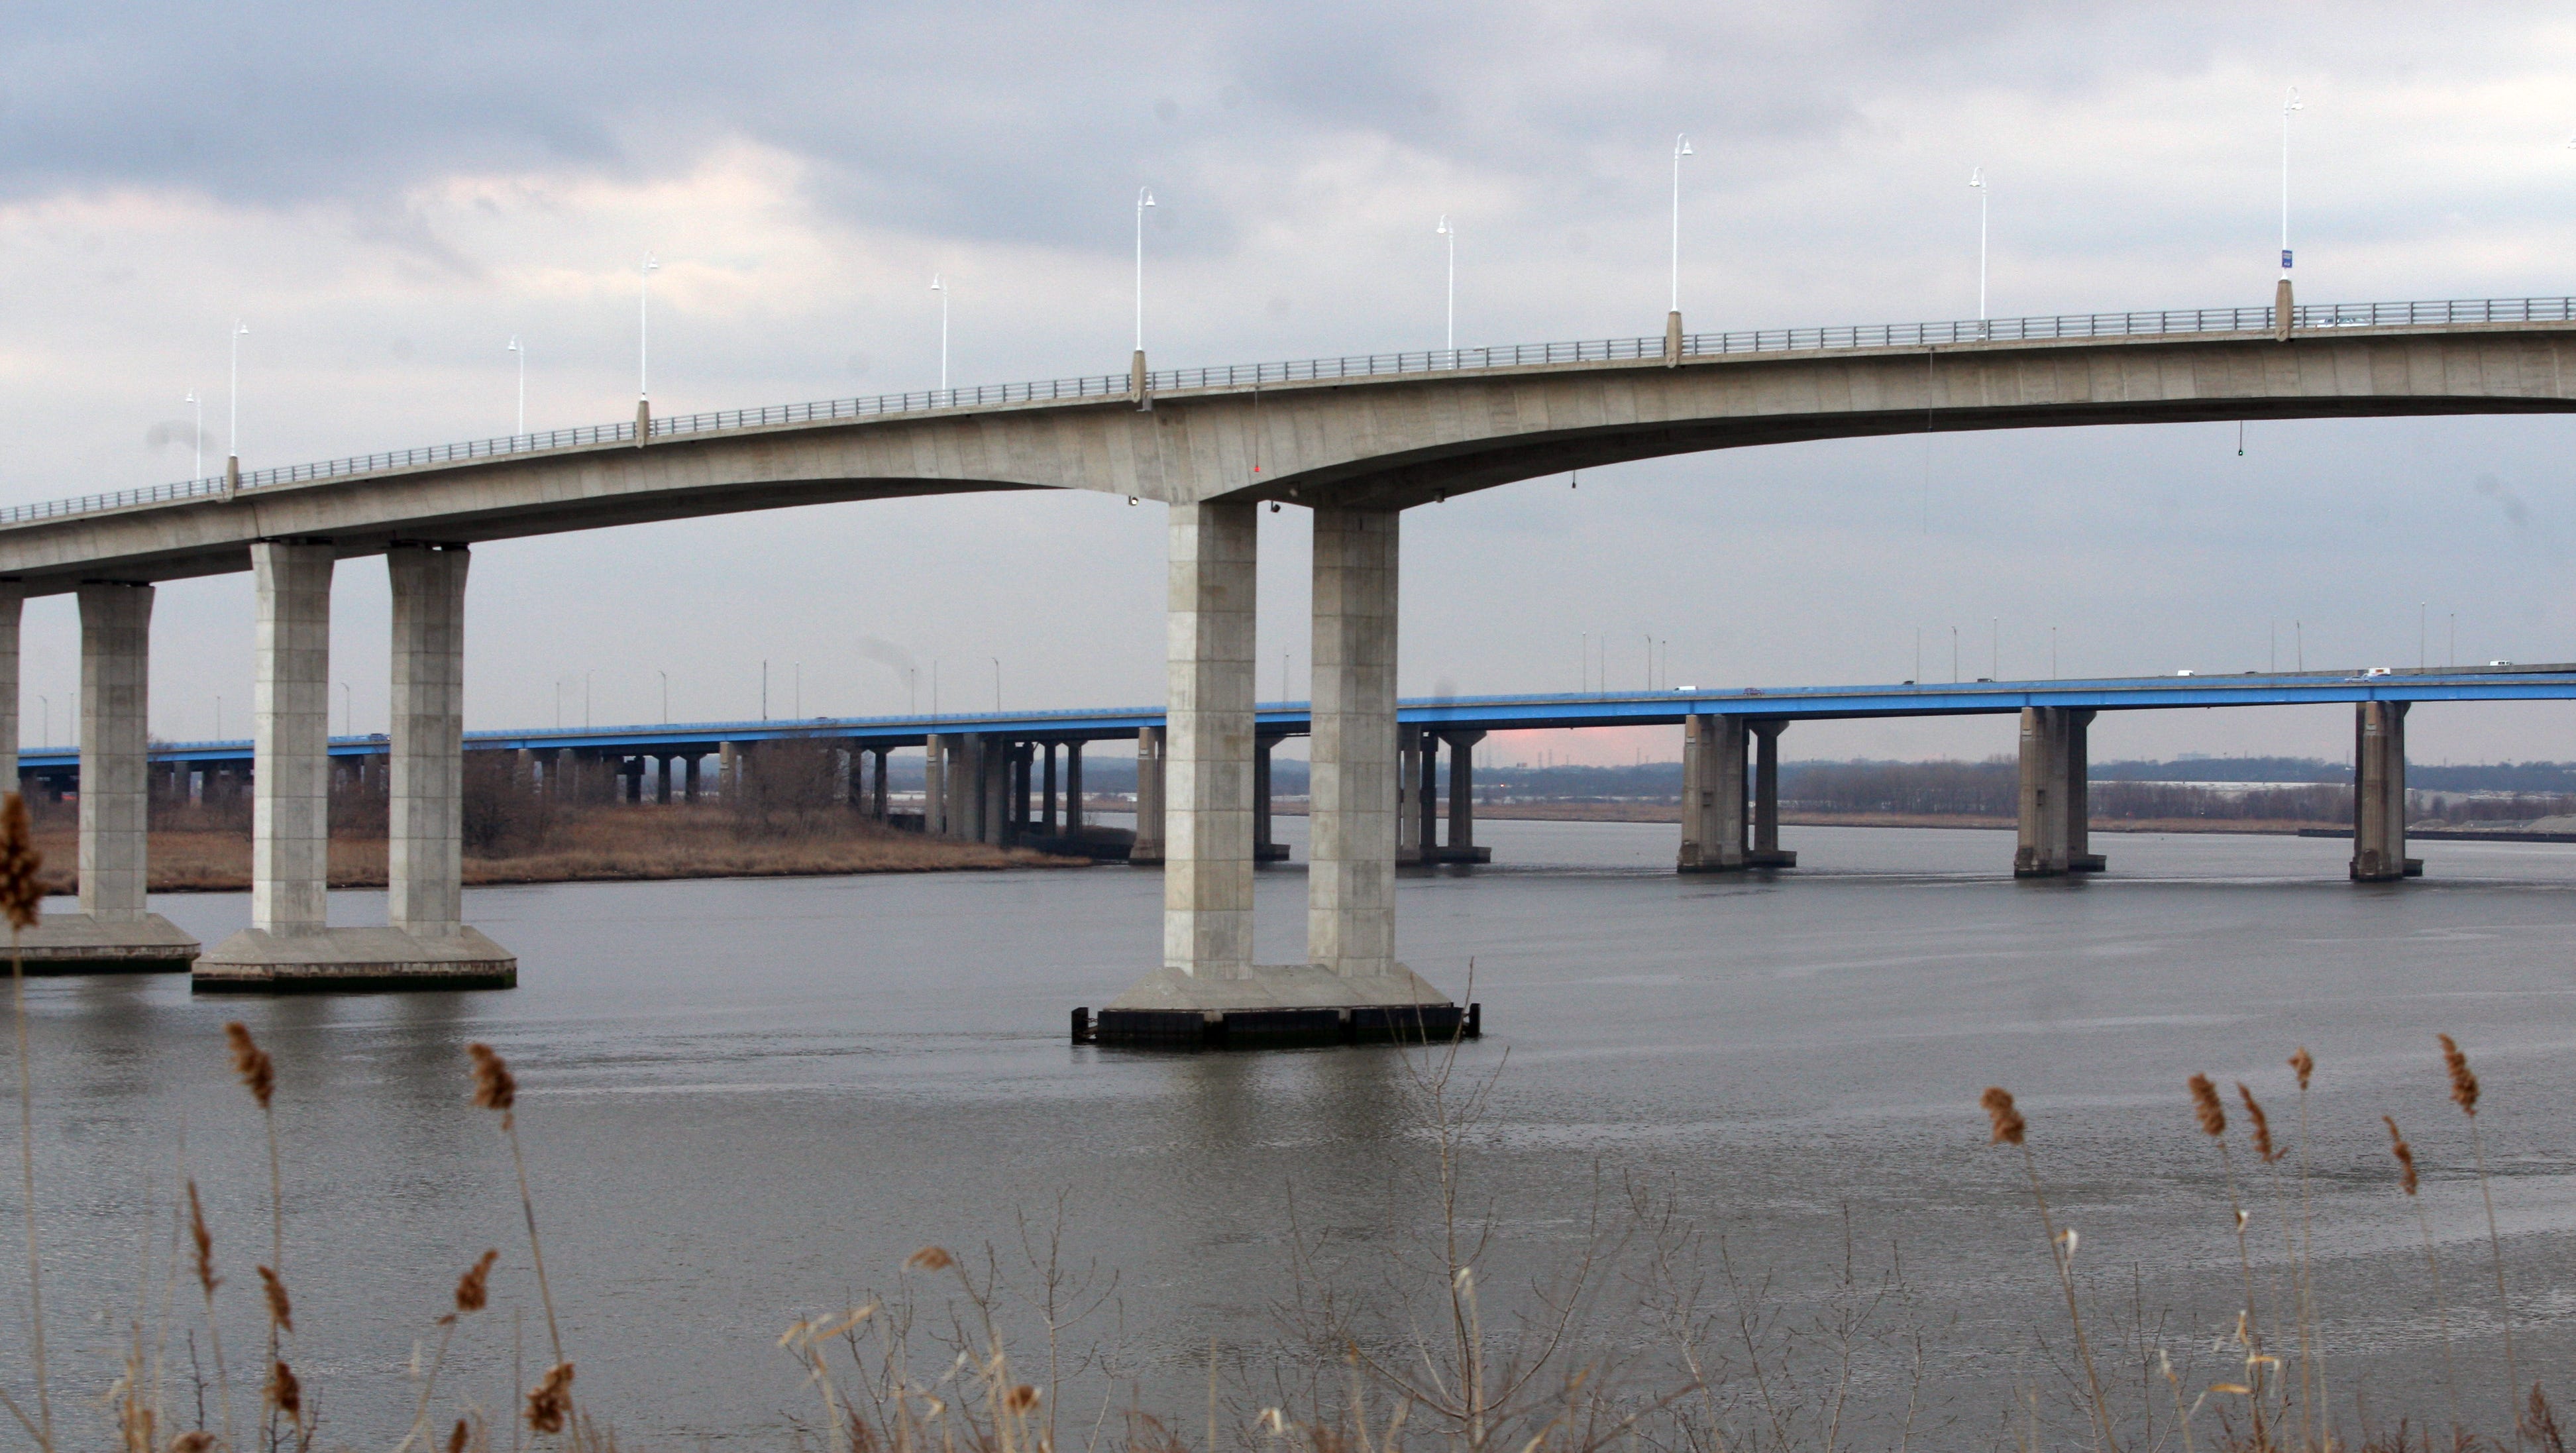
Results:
x,y
387,194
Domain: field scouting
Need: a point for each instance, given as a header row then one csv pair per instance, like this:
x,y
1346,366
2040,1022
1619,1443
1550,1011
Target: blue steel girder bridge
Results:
x,y
1355,441
1736,802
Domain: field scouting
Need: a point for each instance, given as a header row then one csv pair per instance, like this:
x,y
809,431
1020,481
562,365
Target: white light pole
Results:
x,y
939,285
1144,199
643,325
666,696
2288,106
233,404
515,347
200,406
1977,179
1450,234
1681,148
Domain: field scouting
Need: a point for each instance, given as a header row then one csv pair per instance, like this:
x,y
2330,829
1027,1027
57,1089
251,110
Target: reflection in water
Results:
x,y
745,1101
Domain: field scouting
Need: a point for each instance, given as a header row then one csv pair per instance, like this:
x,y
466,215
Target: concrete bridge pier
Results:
x,y
2080,857
1149,847
1265,846
1408,778
114,932
2379,794
1766,851
1046,796
1712,794
290,946
877,807
1208,988
2055,817
1073,788
1461,844
934,785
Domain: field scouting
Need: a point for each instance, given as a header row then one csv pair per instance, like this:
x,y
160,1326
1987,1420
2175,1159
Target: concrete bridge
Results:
x,y
1355,441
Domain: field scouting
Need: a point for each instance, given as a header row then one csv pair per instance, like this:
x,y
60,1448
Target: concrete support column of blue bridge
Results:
x,y
2054,821
2379,794
1765,851
1147,851
114,931
1208,988
290,945
1712,794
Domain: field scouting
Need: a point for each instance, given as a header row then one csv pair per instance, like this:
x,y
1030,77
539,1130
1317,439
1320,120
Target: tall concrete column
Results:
x,y
425,853
877,807
1765,851
728,771
689,777
1073,788
13,600
1712,794
1426,797
2080,857
1461,847
1408,779
290,737
115,748
2041,851
1046,824
662,778
1261,749
2378,792
1207,808
561,775
934,785
1149,798
1354,782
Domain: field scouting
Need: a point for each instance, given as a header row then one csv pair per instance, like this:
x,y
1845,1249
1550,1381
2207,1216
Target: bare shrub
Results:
x,y
503,815
789,789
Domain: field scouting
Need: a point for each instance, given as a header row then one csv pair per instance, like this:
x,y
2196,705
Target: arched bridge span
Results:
x,y
1390,431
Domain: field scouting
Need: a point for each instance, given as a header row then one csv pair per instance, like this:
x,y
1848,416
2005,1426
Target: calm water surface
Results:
x,y
746,1101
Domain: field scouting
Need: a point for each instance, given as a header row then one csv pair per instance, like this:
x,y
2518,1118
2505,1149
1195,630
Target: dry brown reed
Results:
x,y
2270,1154
207,1281
2406,1181
285,1393
2212,1119
280,1310
21,890
2464,1093
550,1401
472,1291
495,1088
2311,1331
2005,1121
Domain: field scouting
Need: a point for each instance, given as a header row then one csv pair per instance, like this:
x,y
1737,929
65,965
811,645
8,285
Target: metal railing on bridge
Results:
x,y
2158,323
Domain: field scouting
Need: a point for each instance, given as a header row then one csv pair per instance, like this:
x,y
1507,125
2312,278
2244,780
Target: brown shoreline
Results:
x,y
214,861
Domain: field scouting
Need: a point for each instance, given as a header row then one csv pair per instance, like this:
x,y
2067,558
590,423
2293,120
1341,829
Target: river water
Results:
x,y
747,1101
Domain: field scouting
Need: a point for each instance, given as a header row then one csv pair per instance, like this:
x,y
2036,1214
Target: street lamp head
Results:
x,y
240,329
1977,178
1445,230
651,263
1682,147
513,345
1144,198
936,285
2293,104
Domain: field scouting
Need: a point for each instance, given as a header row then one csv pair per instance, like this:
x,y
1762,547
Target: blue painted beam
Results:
x,y
1518,713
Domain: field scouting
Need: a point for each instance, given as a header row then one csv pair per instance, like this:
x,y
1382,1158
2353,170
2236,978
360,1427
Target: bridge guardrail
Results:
x,y
2163,322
